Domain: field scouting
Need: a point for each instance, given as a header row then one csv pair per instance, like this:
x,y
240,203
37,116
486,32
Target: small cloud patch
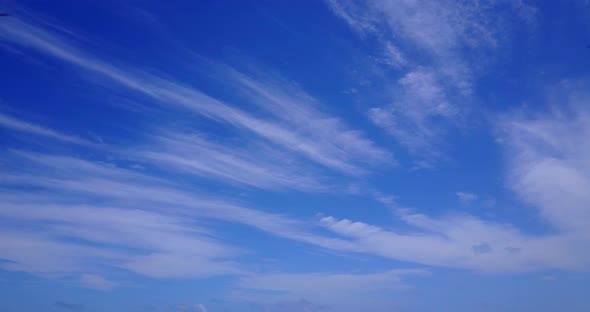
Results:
x,y
466,198
96,282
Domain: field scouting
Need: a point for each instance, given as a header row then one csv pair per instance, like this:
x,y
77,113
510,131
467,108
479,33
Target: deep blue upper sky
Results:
x,y
294,156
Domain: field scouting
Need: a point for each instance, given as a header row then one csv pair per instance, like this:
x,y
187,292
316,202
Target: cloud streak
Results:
x,y
325,141
257,166
466,198
156,219
143,208
23,126
548,170
160,218
438,48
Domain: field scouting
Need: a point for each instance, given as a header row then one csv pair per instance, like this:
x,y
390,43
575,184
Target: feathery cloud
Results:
x,y
466,198
23,126
319,138
438,48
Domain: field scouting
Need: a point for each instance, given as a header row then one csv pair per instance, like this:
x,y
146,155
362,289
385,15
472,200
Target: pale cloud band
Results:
x,y
142,208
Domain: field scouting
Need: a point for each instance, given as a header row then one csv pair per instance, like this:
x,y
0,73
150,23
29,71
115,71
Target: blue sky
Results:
x,y
281,156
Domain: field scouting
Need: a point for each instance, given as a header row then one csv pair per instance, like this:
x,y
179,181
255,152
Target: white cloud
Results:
x,y
169,248
133,210
259,165
96,282
338,146
453,242
20,125
130,210
420,115
439,48
466,198
162,220
438,29
161,217
133,215
394,56
550,161
349,12
549,168
317,137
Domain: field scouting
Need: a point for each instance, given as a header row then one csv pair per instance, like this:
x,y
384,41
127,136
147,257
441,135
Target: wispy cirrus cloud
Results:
x,y
324,140
292,133
257,166
27,127
419,117
91,214
466,198
96,282
439,49
445,242
114,230
137,210
110,211
97,211
548,170
342,147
